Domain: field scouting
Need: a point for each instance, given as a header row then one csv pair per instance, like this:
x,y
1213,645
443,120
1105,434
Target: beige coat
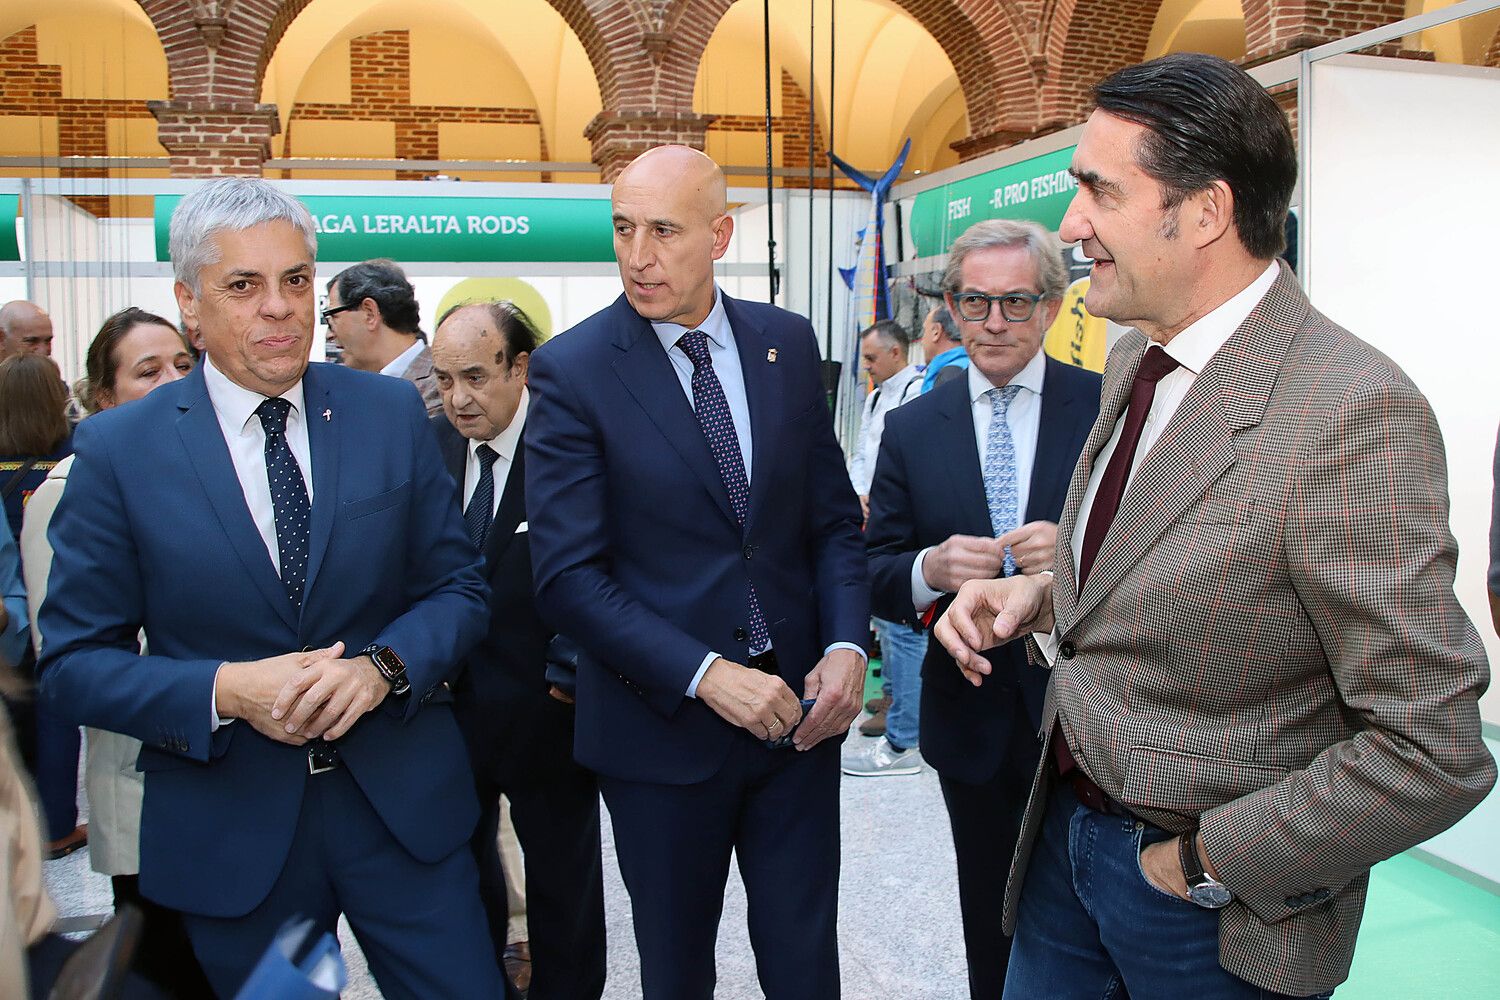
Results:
x,y
1268,646
25,910
113,786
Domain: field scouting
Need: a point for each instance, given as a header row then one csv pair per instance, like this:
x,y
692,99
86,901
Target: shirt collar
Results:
x,y
404,360
504,444
715,327
236,404
1201,340
1029,377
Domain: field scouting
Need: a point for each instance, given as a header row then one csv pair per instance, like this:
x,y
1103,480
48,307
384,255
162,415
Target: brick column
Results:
x,y
209,138
617,137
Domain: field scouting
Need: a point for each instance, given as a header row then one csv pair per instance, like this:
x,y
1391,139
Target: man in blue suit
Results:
x,y
969,484
289,540
693,529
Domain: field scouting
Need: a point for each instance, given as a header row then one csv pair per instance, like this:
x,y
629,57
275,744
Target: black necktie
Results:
x,y
481,509
288,498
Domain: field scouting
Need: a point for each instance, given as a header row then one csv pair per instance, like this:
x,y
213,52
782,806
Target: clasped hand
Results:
x,y
296,697
765,706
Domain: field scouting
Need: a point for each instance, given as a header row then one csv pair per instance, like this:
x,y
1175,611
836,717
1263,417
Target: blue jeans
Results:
x,y
1090,927
902,649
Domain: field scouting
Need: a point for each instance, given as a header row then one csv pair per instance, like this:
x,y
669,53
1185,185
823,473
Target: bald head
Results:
x,y
24,329
670,226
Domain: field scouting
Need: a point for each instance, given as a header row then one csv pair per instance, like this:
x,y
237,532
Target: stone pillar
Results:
x,y
209,138
617,137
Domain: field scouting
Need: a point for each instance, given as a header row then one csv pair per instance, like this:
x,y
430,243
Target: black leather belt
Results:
x,y
764,662
322,757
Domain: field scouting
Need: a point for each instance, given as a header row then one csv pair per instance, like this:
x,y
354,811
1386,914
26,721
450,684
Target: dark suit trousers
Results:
x,y
556,814
778,812
421,926
986,821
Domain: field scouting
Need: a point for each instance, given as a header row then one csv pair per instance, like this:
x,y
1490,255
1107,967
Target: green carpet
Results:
x,y
1426,936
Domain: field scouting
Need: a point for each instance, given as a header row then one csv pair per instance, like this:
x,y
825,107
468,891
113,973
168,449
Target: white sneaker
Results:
x,y
881,758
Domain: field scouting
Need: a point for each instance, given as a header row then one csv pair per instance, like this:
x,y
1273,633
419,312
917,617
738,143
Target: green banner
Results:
x,y
10,208
354,228
1039,189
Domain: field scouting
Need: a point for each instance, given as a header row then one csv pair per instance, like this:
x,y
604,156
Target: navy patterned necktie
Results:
x,y
481,512
718,427
288,498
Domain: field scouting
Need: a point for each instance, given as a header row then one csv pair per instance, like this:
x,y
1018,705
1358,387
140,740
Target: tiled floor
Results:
x,y
1426,934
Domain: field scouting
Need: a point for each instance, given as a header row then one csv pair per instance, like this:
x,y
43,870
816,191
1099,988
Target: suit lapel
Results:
x,y
1051,443
512,509
203,440
1197,446
965,473
455,449
1119,373
325,430
648,376
763,390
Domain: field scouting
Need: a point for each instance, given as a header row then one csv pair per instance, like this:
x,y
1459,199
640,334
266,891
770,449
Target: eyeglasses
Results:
x,y
334,310
1016,307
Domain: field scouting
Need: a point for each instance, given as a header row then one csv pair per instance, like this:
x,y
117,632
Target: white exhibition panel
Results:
x,y
1402,205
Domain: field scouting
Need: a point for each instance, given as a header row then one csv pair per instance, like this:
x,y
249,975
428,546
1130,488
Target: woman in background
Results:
x,y
133,353
34,437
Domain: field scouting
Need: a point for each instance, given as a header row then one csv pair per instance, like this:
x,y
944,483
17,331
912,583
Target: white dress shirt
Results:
x,y
504,446
401,362
724,354
1192,349
1024,417
884,398
235,407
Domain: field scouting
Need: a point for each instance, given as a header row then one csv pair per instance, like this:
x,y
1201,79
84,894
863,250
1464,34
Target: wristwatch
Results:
x,y
390,666
1203,889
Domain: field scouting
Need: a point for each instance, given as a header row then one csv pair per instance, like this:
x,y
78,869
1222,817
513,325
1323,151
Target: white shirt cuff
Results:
x,y
849,646
922,596
214,722
1047,643
708,661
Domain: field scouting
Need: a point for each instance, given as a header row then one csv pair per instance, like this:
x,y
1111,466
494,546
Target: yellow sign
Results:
x,y
1076,337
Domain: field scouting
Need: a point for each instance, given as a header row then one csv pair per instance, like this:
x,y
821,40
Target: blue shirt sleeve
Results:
x,y
18,630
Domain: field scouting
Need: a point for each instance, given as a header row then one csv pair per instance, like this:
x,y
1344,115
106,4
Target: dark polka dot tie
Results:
x,y
480,513
718,427
288,498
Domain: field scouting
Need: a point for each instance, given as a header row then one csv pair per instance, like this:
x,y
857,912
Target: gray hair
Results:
x,y
943,318
1051,273
233,204
889,332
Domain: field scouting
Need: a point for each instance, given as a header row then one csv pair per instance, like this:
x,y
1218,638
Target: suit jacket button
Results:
x,y
749,551
1292,902
1067,649
740,635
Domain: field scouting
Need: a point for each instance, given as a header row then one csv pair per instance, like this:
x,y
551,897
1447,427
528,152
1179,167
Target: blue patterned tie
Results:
x,y
481,504
718,427
288,498
1000,469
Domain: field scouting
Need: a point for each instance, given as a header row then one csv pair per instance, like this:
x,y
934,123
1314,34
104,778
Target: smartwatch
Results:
x,y
1203,889
390,666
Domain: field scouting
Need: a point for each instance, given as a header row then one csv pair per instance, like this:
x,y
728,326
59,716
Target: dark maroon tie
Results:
x,y
1154,366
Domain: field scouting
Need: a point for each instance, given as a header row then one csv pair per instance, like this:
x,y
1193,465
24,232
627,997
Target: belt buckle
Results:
x,y
328,756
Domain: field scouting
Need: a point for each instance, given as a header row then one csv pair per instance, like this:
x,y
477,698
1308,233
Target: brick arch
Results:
x,y
1086,40
985,40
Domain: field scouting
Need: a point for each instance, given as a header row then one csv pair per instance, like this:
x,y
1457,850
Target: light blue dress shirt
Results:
x,y
725,355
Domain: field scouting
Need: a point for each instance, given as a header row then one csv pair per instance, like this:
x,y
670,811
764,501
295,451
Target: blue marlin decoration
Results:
x,y
867,279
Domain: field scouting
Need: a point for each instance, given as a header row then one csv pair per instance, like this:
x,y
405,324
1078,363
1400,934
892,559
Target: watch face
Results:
x,y
1211,895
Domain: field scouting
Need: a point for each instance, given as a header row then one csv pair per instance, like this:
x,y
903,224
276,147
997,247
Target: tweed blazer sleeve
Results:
x,y
1372,562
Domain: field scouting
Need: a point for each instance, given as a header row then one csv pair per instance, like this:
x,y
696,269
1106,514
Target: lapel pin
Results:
x,y
327,415
771,355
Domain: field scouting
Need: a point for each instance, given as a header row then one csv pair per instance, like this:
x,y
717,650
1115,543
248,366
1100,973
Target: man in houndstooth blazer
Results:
x,y
1265,684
